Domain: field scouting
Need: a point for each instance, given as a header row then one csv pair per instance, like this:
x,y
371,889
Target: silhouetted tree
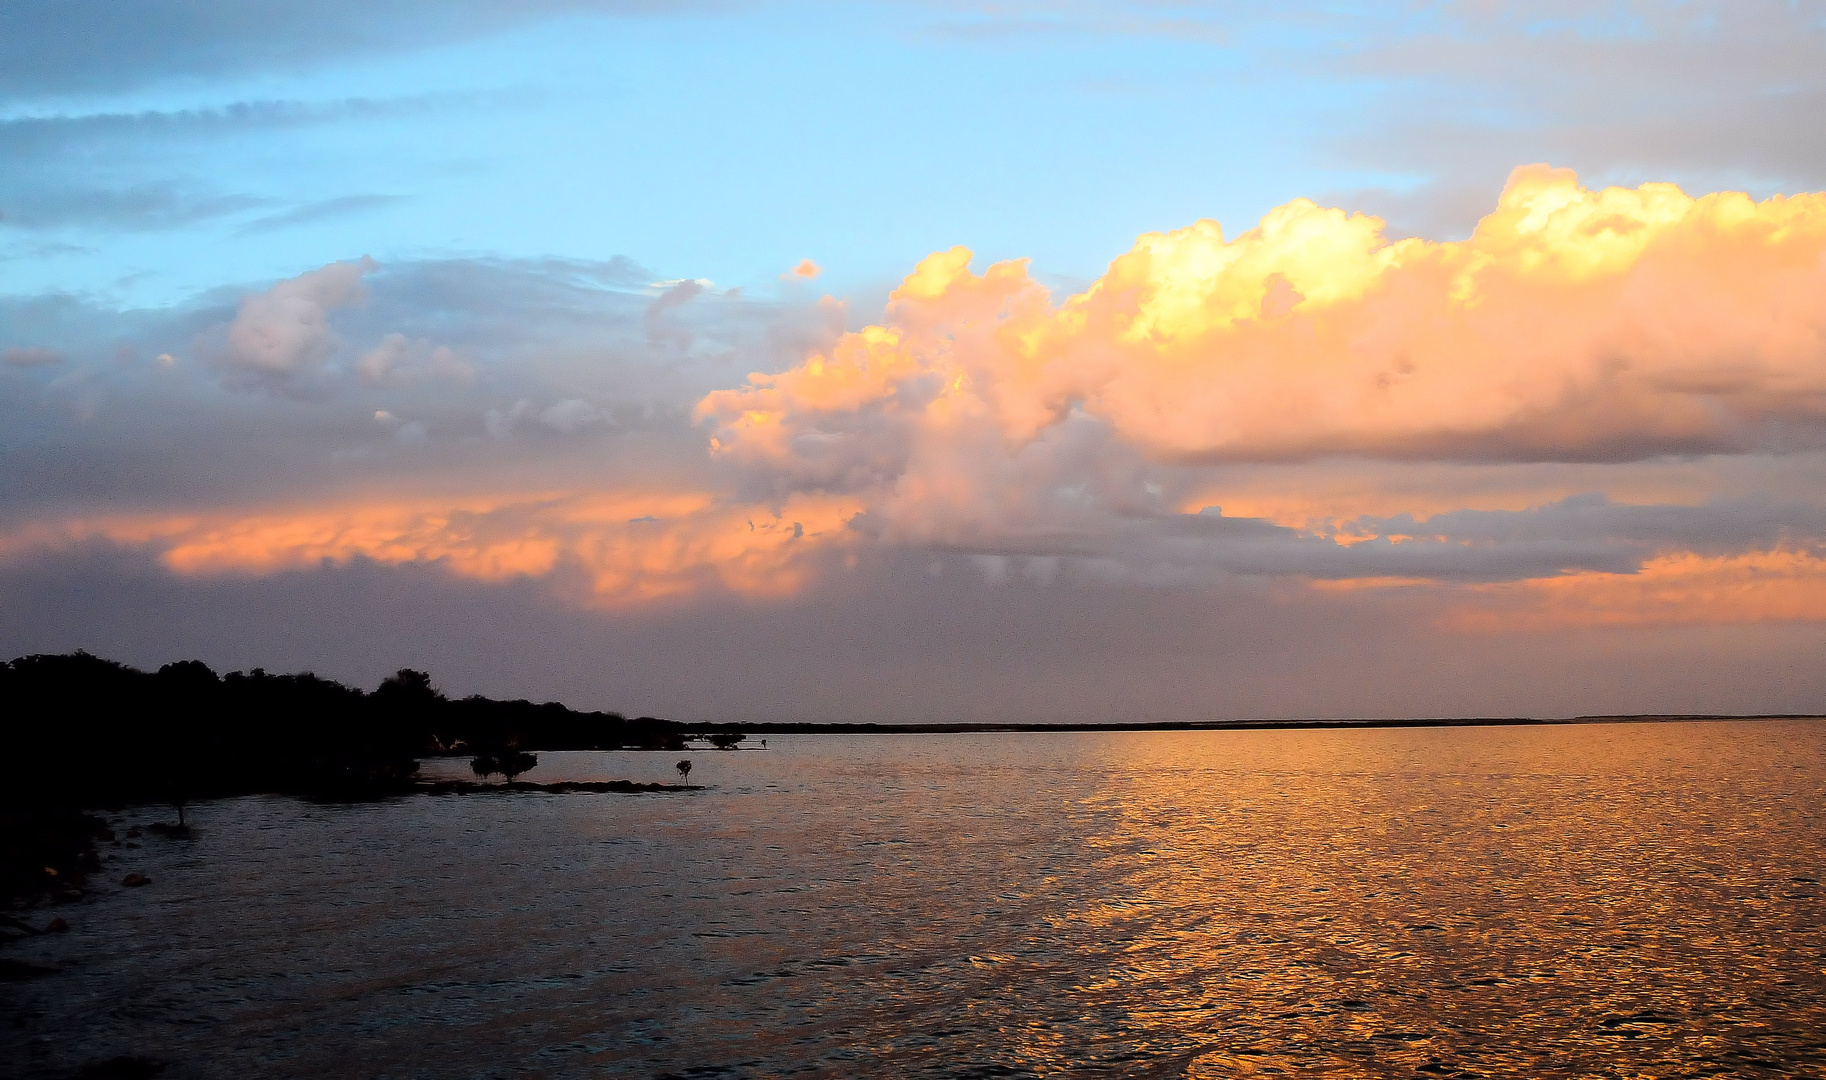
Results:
x,y
408,695
485,765
726,740
95,730
193,678
514,762
684,771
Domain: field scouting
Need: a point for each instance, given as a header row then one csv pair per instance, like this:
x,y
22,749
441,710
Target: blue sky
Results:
x,y
727,142
725,146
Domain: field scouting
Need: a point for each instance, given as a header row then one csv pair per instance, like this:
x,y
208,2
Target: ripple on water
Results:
x,y
1618,900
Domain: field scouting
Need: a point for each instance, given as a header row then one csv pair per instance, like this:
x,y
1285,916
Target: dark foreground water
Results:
x,y
1617,900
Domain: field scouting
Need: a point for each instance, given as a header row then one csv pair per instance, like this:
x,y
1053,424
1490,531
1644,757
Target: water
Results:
x,y
1613,900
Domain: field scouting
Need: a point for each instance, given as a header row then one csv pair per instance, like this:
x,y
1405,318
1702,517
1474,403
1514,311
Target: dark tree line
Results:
x,y
77,728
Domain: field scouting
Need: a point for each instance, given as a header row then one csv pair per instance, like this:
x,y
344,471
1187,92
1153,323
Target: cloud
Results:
x,y
72,136
49,48
384,361
133,170
1712,92
1443,98
611,548
1678,589
567,417
889,641
500,423
283,333
570,416
398,360
324,210
405,432
148,206
1574,330
660,330
1616,387
618,545
1573,325
805,271
541,331
29,356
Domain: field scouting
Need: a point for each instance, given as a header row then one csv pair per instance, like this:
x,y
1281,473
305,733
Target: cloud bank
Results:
x,y
1604,408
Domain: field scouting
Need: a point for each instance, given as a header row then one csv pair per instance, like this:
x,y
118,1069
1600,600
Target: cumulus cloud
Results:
x,y
282,338
284,333
383,361
805,271
1573,325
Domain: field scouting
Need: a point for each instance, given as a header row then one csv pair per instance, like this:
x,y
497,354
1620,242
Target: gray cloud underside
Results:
x,y
110,428
891,642
1581,533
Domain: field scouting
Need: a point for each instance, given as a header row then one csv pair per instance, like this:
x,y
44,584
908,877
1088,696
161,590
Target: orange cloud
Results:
x,y
1320,498
1676,589
628,548
805,271
1368,413
1314,375
1573,324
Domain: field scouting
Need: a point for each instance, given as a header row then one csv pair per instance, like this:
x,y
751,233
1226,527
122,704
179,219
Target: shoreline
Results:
x,y
559,787
806,728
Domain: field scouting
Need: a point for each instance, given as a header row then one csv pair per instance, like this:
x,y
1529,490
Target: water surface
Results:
x,y
1606,900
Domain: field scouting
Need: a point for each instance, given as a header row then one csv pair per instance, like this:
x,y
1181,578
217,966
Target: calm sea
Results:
x,y
1610,900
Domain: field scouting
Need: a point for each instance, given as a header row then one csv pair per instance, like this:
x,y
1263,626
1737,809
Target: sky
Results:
x,y
926,361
